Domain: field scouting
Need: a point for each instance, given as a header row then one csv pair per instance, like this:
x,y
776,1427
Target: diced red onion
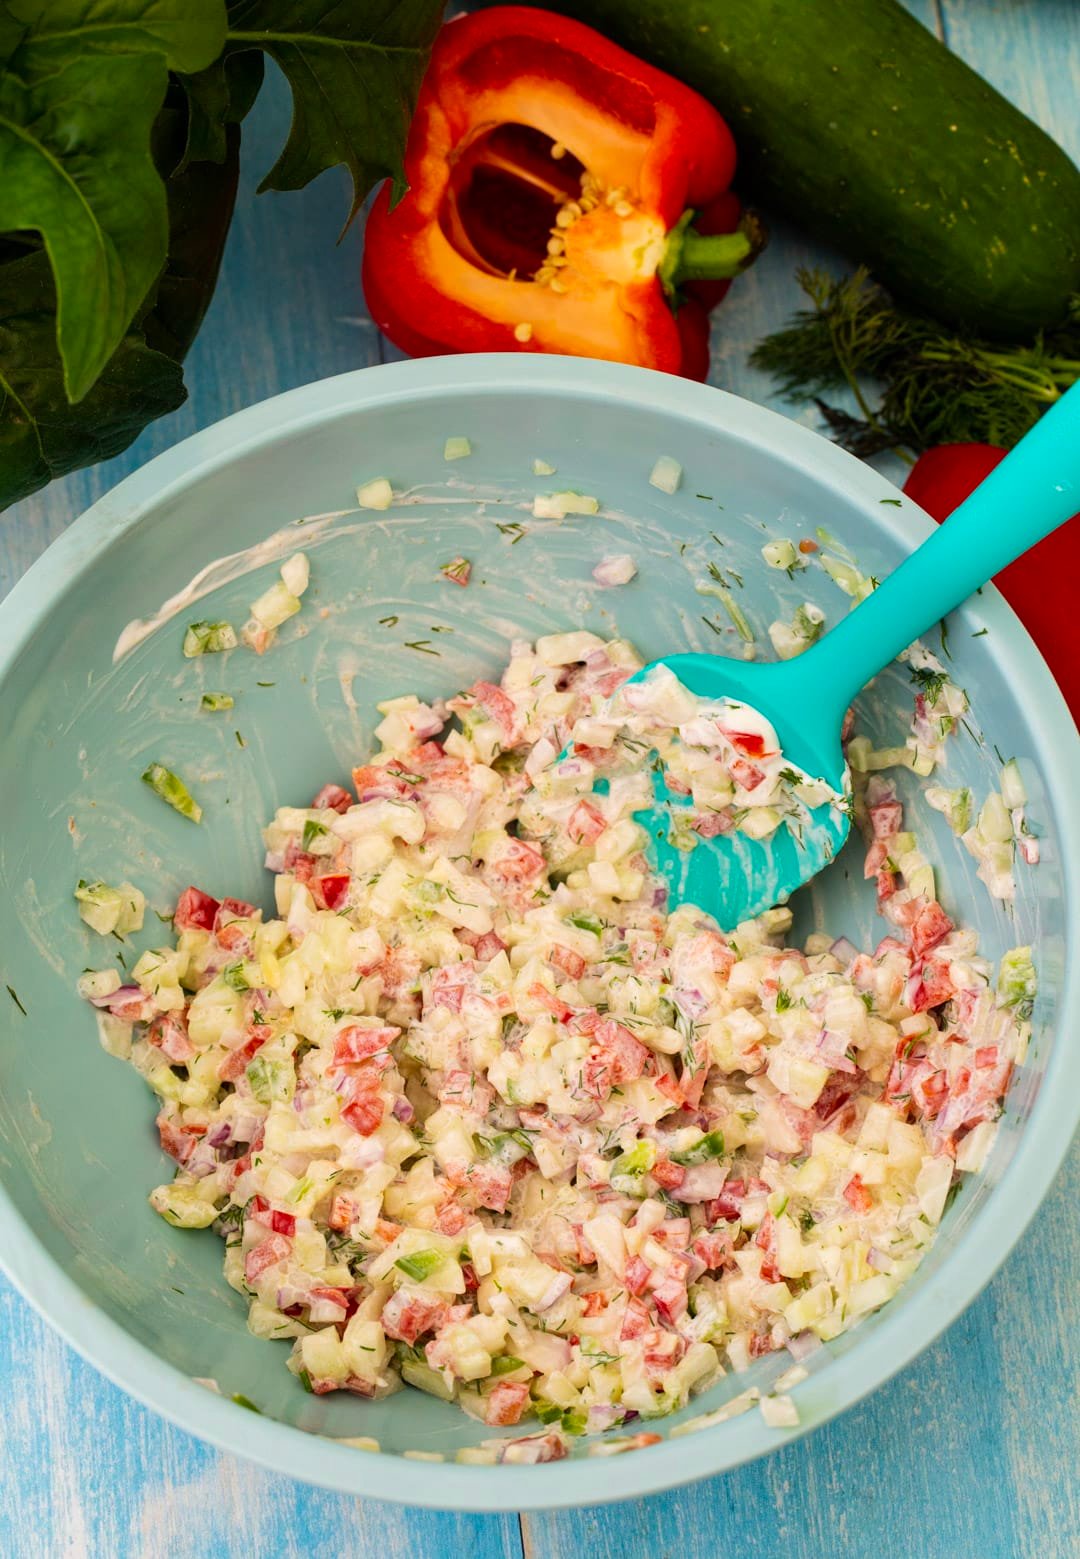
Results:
x,y
122,994
601,1416
402,1110
803,1345
289,1294
844,950
323,1310
202,1161
697,1269
274,861
221,1135
559,1285
703,1182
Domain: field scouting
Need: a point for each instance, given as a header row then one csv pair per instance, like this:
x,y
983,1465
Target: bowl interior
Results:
x,y
78,1151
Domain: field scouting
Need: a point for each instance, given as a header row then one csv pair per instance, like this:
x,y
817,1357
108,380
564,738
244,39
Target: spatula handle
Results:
x,y
1030,493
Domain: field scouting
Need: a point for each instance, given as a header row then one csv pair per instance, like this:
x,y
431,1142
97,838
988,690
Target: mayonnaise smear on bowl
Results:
x,y
475,1114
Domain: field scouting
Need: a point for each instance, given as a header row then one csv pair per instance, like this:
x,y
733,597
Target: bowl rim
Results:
x,y
902,1329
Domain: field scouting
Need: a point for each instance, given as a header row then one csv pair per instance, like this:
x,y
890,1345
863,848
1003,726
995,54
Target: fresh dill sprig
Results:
x,y
936,386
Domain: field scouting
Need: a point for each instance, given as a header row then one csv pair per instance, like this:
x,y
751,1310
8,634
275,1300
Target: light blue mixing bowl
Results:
x,y
148,1304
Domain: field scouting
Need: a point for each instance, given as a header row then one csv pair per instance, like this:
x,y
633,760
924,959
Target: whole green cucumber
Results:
x,y
855,122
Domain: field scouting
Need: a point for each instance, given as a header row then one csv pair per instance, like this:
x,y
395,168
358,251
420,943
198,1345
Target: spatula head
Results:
x,y
733,877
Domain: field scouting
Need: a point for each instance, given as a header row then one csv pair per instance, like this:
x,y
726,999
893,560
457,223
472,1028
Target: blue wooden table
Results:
x,y
971,1453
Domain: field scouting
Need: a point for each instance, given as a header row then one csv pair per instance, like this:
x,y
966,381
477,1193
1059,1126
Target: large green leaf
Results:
x,y
355,68
79,93
41,434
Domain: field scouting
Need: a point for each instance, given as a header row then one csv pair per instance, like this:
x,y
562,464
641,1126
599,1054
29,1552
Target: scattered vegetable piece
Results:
x,y
542,468
666,474
617,570
781,554
457,449
213,703
107,910
375,495
206,638
171,788
556,506
457,571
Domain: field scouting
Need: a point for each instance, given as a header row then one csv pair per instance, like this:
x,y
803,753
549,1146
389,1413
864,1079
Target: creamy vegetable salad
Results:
x,y
473,1112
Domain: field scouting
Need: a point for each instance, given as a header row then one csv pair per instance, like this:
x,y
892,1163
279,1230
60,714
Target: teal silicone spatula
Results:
x,y
1033,491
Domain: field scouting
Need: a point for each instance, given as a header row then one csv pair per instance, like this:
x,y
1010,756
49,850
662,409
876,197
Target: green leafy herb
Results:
x,y
584,920
14,996
929,682
783,1000
938,387
213,703
388,622
422,646
241,1401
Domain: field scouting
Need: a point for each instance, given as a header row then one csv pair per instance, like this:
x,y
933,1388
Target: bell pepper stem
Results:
x,y
694,256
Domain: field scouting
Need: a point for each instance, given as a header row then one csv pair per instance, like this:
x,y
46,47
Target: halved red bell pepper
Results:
x,y
552,181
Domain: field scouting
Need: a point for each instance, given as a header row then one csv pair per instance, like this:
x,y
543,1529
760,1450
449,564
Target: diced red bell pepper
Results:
x,y
331,890
551,178
586,823
334,798
359,1042
668,1175
195,911
269,1253
572,964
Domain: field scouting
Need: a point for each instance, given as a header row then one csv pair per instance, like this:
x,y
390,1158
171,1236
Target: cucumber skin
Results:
x,y
854,121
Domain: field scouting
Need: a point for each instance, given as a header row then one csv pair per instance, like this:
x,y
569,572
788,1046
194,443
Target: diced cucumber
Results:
x,y
206,638
171,788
